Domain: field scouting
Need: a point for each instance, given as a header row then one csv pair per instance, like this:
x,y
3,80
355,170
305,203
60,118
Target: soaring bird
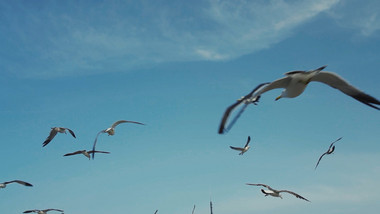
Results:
x,y
3,185
295,82
244,149
329,151
42,211
54,132
246,100
85,153
276,193
111,131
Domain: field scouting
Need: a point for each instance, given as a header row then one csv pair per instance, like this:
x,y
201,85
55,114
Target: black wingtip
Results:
x,y
45,143
368,100
321,68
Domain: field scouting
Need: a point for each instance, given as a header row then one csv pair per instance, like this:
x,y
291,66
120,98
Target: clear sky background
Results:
x,y
176,66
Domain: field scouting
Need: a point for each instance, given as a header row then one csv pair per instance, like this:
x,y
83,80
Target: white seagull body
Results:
x,y
54,132
276,193
3,185
294,83
85,153
242,149
111,131
42,211
329,151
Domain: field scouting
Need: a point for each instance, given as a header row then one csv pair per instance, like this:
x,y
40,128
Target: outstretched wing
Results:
x,y
19,182
279,83
53,210
52,134
237,148
319,160
228,111
97,152
335,81
248,140
30,211
295,194
335,142
264,185
96,140
125,121
71,132
74,153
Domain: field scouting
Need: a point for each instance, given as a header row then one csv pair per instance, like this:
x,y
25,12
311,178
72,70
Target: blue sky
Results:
x,y
176,66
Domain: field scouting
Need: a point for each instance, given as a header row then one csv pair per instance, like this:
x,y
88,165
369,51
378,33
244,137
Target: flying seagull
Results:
x,y
111,131
295,82
42,211
54,132
244,149
85,153
3,185
329,151
276,193
246,100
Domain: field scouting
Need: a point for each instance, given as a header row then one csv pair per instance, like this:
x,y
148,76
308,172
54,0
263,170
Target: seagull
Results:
x,y
295,82
3,185
246,100
244,149
111,131
54,132
85,153
329,151
42,211
276,193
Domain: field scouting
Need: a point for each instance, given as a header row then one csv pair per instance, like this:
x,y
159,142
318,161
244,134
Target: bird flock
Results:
x,y
294,84
53,132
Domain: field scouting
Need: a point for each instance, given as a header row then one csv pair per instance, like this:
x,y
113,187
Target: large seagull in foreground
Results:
x,y
276,193
111,131
329,151
294,83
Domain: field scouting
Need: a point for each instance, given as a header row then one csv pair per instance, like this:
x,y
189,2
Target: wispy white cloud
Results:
x,y
361,16
57,39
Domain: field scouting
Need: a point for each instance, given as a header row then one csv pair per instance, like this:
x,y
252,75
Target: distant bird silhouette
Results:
x,y
3,185
276,193
111,131
85,153
54,132
42,211
329,151
244,149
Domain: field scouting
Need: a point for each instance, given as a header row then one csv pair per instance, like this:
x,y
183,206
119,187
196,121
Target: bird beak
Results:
x,y
277,98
